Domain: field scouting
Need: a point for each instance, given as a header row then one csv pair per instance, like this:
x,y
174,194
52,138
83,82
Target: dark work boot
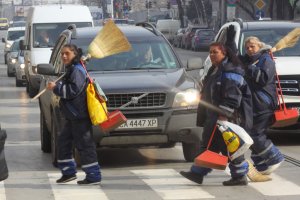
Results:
x,y
66,178
236,181
197,178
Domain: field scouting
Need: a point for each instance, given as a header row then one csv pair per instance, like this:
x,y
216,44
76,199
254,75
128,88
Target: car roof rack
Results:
x,y
238,20
72,27
148,26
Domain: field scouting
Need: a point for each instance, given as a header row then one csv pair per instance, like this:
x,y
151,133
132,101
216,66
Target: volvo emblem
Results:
x,y
135,100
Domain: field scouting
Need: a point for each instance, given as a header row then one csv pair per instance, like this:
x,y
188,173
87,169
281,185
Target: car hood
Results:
x,y
40,55
13,54
143,81
287,65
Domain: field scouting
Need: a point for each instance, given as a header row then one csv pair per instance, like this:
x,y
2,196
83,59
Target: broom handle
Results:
x,y
283,106
91,81
211,137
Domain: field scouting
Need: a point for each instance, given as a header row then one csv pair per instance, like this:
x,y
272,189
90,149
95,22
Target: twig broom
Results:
x,y
287,41
109,41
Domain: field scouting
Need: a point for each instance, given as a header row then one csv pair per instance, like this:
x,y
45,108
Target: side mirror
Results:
x,y
194,63
3,40
46,69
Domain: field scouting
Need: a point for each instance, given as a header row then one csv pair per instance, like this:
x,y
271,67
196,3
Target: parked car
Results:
x,y
202,39
12,57
4,24
165,116
287,60
20,70
13,33
186,41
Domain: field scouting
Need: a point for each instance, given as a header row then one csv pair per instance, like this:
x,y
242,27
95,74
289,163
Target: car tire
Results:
x,y
10,74
45,135
19,83
190,151
31,91
54,133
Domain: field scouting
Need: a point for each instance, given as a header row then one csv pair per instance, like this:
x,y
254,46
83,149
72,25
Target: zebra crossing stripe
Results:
x,y
169,184
72,191
277,187
2,191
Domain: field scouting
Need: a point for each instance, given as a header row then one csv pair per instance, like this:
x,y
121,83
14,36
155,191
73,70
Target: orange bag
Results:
x,y
210,159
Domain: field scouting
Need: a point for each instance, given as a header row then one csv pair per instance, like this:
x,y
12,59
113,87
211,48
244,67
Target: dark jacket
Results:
x,y
72,93
261,77
226,88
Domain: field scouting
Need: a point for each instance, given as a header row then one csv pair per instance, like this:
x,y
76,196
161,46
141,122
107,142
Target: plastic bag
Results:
x,y
235,137
97,109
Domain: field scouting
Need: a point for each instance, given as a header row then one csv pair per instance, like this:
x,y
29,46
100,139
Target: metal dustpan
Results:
x,y
210,159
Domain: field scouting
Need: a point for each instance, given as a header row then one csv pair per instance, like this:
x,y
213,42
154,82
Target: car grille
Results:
x,y
290,85
149,101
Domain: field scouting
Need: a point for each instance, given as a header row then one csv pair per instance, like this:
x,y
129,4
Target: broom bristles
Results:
x,y
109,41
287,41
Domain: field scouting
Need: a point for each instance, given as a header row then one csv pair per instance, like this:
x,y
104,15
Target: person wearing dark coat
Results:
x,y
77,128
261,77
224,87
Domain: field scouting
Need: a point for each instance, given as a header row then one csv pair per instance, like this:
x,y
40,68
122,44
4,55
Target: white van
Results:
x,y
50,21
168,27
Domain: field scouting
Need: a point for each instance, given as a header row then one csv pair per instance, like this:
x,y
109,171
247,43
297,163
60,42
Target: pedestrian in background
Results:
x,y
77,128
261,77
224,87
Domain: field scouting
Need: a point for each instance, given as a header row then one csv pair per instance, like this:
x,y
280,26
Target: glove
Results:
x,y
230,34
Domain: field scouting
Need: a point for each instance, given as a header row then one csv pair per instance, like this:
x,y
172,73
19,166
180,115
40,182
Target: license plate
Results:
x,y
139,123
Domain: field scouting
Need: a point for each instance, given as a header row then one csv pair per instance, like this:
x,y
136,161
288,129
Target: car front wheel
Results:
x,y
45,135
190,151
54,133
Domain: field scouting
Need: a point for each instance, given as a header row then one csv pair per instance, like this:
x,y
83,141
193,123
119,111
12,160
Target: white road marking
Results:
x,y
2,191
4,111
19,101
277,187
169,184
19,125
22,143
72,191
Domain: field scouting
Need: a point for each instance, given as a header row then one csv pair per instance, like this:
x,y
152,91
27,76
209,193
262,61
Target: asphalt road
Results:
x,y
128,174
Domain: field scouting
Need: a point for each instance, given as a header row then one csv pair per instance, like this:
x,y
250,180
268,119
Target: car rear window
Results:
x,y
271,37
161,57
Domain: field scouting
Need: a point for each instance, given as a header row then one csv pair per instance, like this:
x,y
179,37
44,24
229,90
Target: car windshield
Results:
x,y
45,35
271,37
155,54
3,20
15,46
13,35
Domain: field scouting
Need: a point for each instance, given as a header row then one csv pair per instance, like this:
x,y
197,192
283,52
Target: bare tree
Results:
x,y
180,13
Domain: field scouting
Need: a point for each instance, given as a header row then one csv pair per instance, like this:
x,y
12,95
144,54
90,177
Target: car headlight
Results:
x,y
189,97
13,60
22,66
7,45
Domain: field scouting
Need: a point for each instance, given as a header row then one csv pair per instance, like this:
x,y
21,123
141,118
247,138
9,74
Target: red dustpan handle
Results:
x,y
211,137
